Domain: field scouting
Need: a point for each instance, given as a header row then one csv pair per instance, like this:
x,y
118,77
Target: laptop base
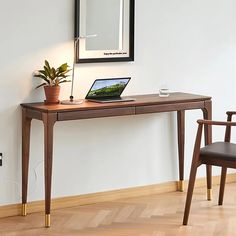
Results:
x,y
109,100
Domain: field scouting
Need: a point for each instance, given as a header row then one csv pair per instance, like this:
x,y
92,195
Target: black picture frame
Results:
x,y
130,57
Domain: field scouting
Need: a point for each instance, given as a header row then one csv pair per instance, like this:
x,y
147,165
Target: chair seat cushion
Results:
x,y
219,150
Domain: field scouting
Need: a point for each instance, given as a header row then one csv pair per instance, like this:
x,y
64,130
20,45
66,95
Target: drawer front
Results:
x,y
169,107
109,112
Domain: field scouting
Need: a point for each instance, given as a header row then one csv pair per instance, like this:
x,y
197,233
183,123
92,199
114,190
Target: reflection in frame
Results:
x,y
105,30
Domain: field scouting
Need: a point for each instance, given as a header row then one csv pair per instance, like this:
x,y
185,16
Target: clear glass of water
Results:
x,y
164,91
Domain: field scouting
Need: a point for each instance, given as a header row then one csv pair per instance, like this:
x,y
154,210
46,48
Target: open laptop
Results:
x,y
108,90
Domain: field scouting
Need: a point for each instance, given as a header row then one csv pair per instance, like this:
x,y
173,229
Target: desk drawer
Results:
x,y
169,107
109,112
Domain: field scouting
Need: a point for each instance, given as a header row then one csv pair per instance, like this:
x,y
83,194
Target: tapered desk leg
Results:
x,y
26,125
181,135
49,120
207,114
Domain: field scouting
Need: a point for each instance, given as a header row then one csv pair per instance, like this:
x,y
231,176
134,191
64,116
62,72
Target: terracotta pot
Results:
x,y
52,94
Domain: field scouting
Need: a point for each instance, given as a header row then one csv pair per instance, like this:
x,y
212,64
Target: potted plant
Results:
x,y
52,79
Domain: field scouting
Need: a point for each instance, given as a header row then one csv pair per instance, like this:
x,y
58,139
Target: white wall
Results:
x,y
188,44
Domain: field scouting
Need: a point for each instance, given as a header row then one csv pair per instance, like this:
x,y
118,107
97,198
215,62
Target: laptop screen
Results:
x,y
105,88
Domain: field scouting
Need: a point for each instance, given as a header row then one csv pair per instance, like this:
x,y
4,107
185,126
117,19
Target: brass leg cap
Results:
x,y
47,221
181,185
209,194
24,211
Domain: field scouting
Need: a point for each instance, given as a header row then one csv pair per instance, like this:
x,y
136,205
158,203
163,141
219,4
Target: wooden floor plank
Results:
x,y
154,215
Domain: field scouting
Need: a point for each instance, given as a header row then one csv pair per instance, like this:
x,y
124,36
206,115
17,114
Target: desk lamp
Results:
x,y
72,101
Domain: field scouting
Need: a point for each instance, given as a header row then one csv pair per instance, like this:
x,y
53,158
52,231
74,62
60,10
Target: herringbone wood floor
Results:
x,y
155,215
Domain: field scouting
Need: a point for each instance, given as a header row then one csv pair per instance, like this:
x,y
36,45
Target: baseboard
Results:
x,y
86,199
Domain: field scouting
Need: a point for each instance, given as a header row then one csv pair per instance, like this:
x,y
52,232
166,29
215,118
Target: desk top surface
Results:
x,y
140,100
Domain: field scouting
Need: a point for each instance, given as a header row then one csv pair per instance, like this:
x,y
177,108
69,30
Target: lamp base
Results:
x,y
72,102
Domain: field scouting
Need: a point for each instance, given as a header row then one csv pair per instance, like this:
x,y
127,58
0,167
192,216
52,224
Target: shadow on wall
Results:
x,y
10,146
30,34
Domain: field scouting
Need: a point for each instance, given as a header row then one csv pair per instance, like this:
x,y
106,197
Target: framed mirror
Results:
x,y
104,30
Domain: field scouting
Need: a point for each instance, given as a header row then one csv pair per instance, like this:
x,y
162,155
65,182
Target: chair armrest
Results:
x,y
228,128
212,122
231,113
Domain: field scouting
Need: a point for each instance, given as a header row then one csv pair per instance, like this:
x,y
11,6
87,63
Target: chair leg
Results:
x,y
190,193
222,185
195,163
209,182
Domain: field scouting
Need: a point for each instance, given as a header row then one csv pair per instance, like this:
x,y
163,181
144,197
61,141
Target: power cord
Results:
x,y
18,187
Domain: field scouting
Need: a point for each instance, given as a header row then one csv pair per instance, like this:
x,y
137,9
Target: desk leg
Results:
x,y
207,114
181,132
49,120
26,125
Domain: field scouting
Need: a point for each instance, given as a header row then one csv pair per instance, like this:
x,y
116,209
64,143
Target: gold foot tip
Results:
x,y
47,221
209,194
181,185
24,211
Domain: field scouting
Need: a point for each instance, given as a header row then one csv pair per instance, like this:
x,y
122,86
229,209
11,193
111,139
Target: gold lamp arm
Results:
x,y
72,101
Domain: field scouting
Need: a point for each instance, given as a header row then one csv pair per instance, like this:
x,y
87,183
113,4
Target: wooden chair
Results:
x,y
221,154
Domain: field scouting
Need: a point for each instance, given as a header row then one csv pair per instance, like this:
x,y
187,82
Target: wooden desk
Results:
x,y
143,104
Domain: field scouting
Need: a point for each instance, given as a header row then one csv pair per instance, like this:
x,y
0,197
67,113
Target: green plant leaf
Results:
x,y
40,76
64,81
42,72
57,72
47,64
67,71
53,73
63,67
43,78
48,72
41,85
63,77
64,73
56,81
